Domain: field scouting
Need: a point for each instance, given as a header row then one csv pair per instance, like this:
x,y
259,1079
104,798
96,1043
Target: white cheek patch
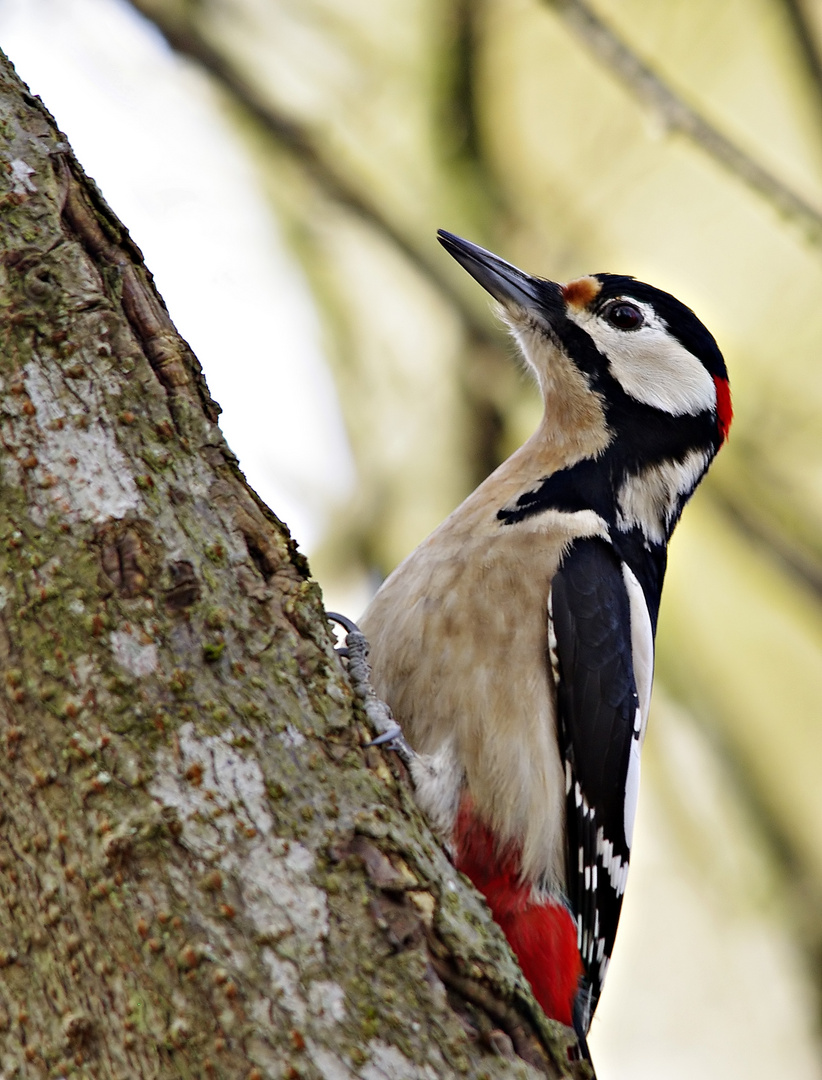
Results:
x,y
650,365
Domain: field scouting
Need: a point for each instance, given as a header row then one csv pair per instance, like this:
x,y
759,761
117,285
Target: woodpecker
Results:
x,y
515,645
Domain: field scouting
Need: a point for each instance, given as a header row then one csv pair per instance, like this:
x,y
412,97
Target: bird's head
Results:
x,y
617,359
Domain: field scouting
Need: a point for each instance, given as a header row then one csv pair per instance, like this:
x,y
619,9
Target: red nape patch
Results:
x,y
724,408
542,935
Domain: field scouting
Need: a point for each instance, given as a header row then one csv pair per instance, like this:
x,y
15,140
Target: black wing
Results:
x,y
600,731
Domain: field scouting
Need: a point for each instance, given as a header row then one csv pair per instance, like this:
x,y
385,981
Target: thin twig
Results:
x,y
652,90
807,44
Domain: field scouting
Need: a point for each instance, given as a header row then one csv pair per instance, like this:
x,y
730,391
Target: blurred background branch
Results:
x,y
678,117
807,40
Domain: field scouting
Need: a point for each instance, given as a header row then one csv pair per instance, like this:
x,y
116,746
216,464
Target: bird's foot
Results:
x,y
379,716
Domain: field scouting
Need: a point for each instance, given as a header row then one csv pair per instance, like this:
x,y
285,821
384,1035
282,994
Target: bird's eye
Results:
x,y
624,316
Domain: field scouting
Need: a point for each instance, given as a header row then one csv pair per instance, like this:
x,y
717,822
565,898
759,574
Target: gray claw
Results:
x,y
377,712
387,736
393,739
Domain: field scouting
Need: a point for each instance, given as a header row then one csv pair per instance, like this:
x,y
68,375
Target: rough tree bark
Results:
x,y
202,869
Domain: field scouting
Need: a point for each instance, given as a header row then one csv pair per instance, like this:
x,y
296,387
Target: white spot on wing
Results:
x,y
616,869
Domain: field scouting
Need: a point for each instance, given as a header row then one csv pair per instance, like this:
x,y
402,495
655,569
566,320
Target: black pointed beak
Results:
x,y
505,282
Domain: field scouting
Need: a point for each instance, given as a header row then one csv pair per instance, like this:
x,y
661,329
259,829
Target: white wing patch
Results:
x,y
642,655
642,645
650,364
650,499
631,791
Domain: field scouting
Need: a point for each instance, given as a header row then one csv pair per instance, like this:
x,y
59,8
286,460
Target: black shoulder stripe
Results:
x,y
583,486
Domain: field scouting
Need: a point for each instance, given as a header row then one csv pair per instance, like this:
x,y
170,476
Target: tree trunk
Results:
x,y
202,870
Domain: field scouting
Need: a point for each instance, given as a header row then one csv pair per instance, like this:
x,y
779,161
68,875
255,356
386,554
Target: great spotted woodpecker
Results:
x,y
515,645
